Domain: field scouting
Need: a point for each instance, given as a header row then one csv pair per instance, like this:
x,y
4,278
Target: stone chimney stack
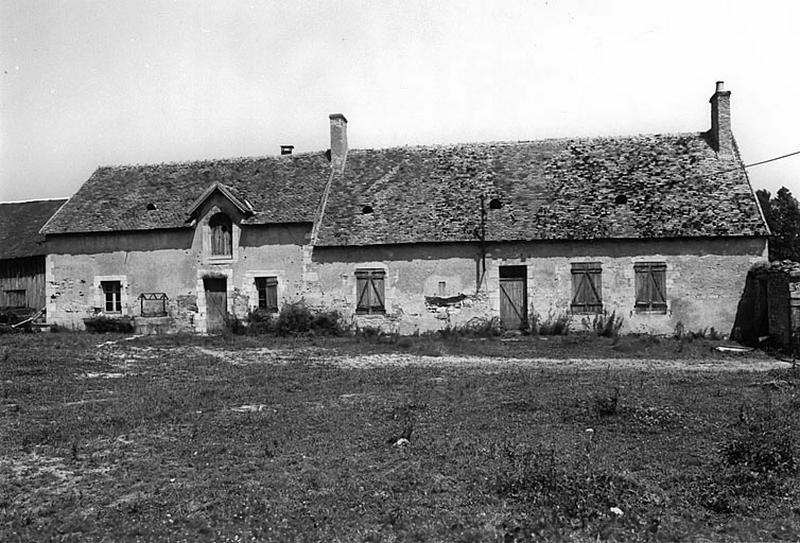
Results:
x,y
721,135
338,140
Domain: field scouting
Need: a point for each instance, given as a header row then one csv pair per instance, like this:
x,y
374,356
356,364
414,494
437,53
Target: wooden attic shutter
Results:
x,y
587,287
370,291
651,286
221,238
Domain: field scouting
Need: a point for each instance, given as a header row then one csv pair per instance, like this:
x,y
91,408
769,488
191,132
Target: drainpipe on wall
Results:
x,y
481,235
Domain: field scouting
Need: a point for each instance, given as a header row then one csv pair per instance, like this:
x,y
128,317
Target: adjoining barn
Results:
x,y
22,254
769,311
659,229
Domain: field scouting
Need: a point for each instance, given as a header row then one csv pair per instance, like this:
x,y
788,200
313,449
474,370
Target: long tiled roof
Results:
x,y
19,227
656,186
282,189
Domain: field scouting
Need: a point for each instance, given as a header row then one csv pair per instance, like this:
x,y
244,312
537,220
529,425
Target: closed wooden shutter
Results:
x,y
370,291
587,287
651,286
267,288
15,298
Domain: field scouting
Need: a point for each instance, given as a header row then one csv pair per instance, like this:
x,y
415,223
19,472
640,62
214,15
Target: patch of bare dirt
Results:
x,y
745,362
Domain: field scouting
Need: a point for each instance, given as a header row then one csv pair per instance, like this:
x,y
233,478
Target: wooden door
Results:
x,y
216,303
513,297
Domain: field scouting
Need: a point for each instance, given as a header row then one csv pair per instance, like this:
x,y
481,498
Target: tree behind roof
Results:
x,y
782,214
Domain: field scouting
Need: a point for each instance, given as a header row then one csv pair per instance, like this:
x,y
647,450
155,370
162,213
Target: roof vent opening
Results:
x,y
621,199
328,155
151,206
366,210
494,203
287,149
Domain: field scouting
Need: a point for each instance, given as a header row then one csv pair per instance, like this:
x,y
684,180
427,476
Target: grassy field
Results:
x,y
247,439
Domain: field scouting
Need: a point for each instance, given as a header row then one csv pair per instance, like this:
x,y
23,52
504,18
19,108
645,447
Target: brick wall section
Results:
x,y
721,135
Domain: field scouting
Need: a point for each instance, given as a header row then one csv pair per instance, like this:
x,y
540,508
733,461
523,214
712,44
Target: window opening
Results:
x,y
15,298
370,291
587,287
651,286
221,239
112,292
267,288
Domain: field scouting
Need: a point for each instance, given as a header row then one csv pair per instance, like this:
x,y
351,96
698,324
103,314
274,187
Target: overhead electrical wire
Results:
x,y
743,166
771,159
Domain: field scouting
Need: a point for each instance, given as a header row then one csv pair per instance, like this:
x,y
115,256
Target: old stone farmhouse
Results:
x,y
22,252
659,229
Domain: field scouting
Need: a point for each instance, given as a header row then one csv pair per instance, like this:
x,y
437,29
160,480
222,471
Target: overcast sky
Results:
x,y
96,83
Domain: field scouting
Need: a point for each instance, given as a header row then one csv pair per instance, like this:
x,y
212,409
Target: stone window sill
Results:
x,y
220,259
646,311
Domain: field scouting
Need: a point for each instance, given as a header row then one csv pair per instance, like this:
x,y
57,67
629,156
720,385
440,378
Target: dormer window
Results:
x,y
221,235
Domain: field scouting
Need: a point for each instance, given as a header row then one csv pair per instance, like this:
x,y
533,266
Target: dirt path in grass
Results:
x,y
732,363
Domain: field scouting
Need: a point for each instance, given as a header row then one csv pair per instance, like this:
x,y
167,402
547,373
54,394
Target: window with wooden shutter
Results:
x,y
221,235
267,288
370,291
15,298
587,287
651,286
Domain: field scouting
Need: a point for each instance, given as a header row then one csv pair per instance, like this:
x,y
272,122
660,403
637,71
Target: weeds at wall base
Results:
x,y
102,324
293,319
552,325
681,333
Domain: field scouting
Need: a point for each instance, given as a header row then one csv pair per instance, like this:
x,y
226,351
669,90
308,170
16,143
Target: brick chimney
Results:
x,y
338,140
721,135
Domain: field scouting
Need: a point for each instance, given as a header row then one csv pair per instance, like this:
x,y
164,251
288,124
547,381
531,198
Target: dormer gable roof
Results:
x,y
232,195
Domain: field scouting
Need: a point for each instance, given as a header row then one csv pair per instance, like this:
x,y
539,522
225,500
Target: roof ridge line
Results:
x,y
208,160
65,198
416,146
542,140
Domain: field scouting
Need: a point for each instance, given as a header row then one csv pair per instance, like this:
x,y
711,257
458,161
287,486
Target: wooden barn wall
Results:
x,y
23,273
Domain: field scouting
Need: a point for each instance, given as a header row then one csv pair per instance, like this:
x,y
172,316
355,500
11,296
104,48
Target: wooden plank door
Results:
x,y
513,297
216,303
